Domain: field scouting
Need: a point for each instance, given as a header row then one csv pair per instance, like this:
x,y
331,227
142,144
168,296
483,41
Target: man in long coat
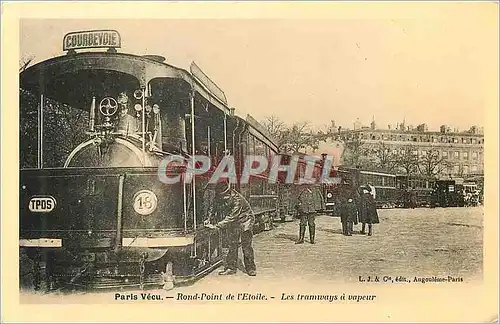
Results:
x,y
348,212
367,212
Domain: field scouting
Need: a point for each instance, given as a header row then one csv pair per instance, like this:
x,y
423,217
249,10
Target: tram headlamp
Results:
x,y
138,94
329,195
138,107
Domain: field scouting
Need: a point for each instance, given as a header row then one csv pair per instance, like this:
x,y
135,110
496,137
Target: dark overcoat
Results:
x,y
349,211
368,209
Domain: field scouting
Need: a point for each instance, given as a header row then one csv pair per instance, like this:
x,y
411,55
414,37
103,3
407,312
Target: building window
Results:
x,y
456,169
466,169
455,140
394,151
474,168
465,155
474,141
457,155
435,140
445,154
474,155
424,153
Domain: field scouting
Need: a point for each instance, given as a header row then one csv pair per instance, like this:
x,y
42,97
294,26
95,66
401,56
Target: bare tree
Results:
x,y
383,157
355,152
299,137
432,164
291,139
276,127
407,160
25,62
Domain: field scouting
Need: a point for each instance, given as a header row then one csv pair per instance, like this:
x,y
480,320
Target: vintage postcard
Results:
x,y
250,161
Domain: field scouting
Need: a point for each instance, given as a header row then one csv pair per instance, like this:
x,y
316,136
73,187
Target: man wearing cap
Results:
x,y
238,221
127,124
307,210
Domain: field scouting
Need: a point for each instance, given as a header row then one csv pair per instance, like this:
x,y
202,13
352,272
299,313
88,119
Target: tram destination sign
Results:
x,y
91,39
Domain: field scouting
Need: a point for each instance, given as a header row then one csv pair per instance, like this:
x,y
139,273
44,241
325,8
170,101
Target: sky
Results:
x,y
435,66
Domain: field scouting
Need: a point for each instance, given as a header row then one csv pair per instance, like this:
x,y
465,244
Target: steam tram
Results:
x,y
95,130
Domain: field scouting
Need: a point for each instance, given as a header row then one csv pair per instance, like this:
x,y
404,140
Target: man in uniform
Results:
x,y
306,209
127,124
238,221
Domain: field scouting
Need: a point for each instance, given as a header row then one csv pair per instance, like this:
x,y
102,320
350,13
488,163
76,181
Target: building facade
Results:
x,y
463,151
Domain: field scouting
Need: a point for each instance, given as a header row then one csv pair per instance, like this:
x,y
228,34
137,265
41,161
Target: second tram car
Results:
x,y
415,190
382,185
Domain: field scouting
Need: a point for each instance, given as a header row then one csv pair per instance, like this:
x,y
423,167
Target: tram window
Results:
x,y
256,187
259,148
271,156
64,128
251,145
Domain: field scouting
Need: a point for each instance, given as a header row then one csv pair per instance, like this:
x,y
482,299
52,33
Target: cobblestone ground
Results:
x,y
419,242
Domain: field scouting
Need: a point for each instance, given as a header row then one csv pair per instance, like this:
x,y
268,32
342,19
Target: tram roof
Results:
x,y
262,130
144,68
256,129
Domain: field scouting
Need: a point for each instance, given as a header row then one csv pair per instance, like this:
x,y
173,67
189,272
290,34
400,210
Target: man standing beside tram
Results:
x,y
238,220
